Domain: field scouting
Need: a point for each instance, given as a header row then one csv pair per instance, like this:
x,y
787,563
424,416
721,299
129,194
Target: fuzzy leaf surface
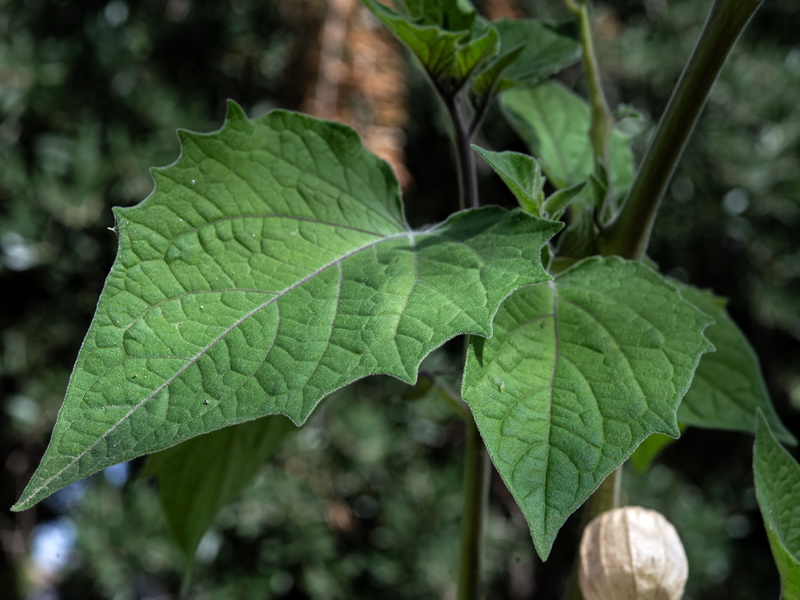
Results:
x,y
449,41
777,477
539,51
521,173
199,477
271,266
579,372
728,387
554,122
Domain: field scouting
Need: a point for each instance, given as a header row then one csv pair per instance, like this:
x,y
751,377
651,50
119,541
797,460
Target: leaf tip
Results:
x,y
24,503
235,112
543,542
762,427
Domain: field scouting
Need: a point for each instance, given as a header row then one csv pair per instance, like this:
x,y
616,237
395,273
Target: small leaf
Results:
x,y
728,387
777,477
489,82
556,203
449,40
271,266
202,475
579,372
539,51
554,123
521,173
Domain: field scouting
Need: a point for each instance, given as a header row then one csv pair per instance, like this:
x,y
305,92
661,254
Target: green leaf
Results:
x,y
777,477
579,372
200,476
530,52
728,387
489,81
521,173
449,40
556,203
554,123
271,266
649,450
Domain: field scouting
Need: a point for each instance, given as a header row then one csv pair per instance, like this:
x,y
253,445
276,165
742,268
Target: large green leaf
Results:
x,y
200,476
449,40
728,387
579,372
777,477
271,266
554,122
537,51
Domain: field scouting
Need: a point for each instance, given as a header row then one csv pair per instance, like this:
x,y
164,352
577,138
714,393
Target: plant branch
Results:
x,y
629,234
476,497
476,459
602,125
465,158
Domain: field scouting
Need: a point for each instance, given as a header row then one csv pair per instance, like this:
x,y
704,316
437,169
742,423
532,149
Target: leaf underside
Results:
x,y
777,477
579,372
545,51
200,476
449,40
271,266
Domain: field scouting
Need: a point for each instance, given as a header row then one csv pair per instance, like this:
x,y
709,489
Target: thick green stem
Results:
x,y
476,498
629,234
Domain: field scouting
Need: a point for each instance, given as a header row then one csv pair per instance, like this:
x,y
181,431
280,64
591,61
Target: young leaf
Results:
x,y
521,173
579,372
539,51
271,266
554,123
558,201
489,82
200,476
728,387
449,41
777,477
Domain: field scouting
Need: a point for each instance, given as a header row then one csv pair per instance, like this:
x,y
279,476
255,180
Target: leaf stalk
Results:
x,y
465,158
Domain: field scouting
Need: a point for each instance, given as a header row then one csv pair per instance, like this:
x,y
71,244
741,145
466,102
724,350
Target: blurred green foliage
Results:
x,y
364,502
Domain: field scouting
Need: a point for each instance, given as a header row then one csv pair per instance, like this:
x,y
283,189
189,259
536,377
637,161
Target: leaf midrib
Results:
x,y
192,361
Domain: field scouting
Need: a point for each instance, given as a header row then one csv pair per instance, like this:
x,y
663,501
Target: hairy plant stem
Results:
x,y
476,459
476,498
602,125
629,234
465,157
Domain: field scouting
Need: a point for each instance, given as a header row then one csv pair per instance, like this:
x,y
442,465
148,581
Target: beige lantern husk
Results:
x,y
632,553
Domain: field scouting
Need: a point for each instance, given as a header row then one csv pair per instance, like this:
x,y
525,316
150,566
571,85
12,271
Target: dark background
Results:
x,y
364,502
